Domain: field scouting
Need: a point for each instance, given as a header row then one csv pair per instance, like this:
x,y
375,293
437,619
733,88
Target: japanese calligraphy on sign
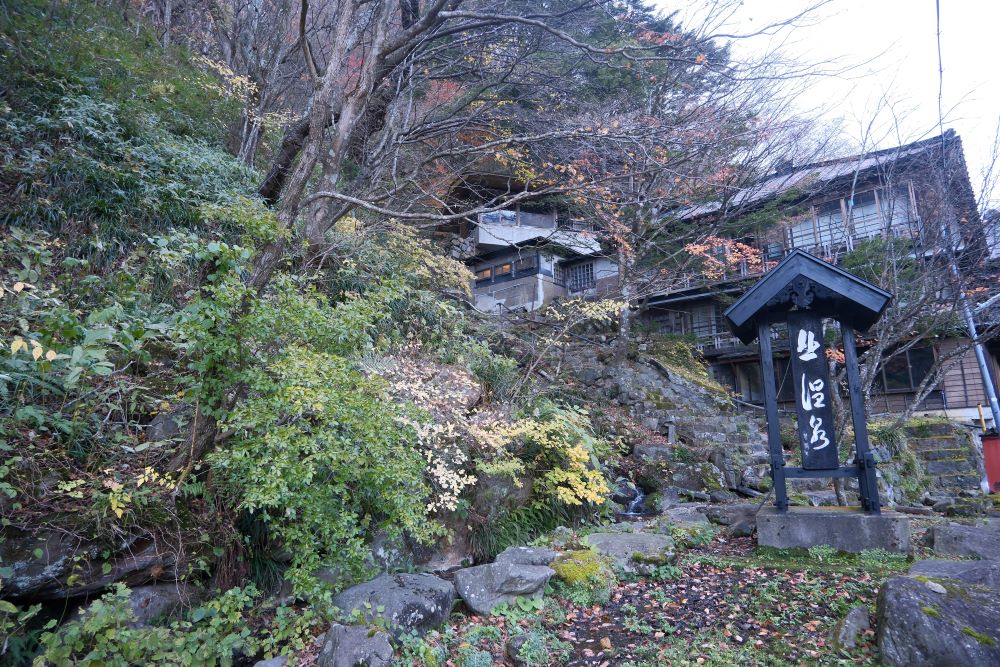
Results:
x,y
812,392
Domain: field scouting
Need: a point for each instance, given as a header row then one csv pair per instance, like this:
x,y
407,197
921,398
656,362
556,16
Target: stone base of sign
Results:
x,y
843,528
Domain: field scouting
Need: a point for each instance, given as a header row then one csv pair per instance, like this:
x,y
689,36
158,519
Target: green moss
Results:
x,y
980,637
708,478
581,567
584,577
931,611
662,558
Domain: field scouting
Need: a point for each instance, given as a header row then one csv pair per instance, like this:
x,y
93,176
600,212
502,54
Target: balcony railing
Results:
x,y
831,252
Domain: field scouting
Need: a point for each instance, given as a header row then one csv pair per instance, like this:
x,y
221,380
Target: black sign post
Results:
x,y
801,292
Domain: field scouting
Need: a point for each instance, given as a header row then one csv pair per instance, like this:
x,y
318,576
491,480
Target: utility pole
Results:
x,y
984,367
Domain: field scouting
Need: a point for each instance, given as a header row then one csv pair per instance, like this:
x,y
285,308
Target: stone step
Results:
x,y
950,467
937,444
956,482
925,430
942,454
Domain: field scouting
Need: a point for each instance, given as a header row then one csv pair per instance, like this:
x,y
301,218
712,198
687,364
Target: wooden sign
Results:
x,y
813,404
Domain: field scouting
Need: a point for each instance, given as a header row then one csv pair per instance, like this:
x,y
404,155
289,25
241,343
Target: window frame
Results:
x,y
575,283
881,383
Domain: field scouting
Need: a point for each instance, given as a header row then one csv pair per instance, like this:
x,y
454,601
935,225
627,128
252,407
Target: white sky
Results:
x,y
893,45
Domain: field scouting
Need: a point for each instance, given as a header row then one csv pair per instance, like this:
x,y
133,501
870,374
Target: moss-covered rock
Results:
x,y
584,577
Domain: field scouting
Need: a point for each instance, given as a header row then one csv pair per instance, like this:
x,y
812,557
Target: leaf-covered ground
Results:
x,y
732,604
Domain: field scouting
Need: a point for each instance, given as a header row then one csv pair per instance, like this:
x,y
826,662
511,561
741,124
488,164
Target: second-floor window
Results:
x,y
869,214
580,276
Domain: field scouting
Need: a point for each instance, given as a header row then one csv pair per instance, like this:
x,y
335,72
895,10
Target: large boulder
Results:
x,y
704,477
354,646
926,620
634,553
403,602
624,491
527,556
690,513
485,586
652,452
153,604
958,540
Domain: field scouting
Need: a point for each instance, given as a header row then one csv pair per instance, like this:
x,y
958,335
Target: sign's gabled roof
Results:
x,y
804,281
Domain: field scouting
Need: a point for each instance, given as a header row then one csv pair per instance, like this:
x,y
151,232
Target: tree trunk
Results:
x,y
168,10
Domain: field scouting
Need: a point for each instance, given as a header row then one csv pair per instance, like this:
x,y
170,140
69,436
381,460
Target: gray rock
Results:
x,y
624,491
649,452
694,495
485,586
636,553
825,498
408,602
513,649
279,661
666,499
943,505
701,477
150,604
526,556
354,646
742,528
686,514
802,484
721,496
918,627
168,425
722,458
959,540
562,536
980,573
727,515
390,552
845,634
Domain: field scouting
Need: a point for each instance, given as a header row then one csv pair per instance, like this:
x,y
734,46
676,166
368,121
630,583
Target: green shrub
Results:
x,y
315,453
498,374
692,535
209,635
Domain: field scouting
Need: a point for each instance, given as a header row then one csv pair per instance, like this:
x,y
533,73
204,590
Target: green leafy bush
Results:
x,y
315,452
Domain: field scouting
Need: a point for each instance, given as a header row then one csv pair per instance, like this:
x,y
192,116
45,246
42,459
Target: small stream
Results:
x,y
636,507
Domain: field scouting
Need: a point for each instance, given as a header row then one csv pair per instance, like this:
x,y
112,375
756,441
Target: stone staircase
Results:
x,y
948,456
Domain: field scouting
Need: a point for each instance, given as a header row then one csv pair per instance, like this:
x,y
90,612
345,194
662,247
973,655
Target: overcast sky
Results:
x,y
893,45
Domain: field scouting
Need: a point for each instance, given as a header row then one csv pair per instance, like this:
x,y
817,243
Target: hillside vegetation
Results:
x,y
127,234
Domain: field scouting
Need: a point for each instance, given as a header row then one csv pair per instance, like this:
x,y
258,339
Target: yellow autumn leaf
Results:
x,y
18,286
51,355
17,344
36,353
